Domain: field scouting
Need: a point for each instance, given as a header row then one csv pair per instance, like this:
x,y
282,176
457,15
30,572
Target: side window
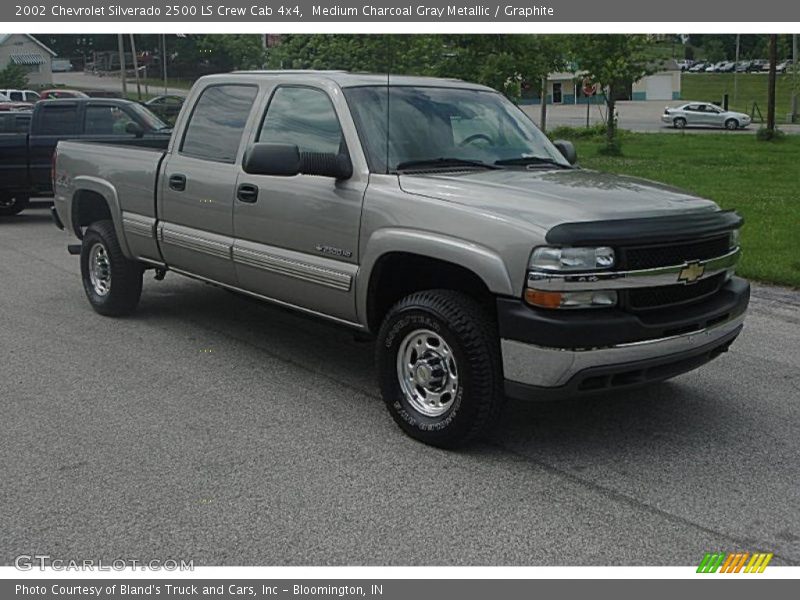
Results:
x,y
16,96
302,116
59,119
106,120
217,122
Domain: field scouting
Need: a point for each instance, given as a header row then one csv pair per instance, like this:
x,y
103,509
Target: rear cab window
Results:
x,y
217,122
58,119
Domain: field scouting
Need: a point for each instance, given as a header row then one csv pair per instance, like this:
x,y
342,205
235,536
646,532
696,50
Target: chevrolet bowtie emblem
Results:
x,y
691,272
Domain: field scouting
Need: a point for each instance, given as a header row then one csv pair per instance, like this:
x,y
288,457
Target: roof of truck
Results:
x,y
350,79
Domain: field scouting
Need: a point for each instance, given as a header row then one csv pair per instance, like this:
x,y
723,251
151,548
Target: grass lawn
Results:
x,y
761,180
751,87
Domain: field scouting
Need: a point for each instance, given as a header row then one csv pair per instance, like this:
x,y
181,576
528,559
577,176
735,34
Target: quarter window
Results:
x,y
217,122
304,117
59,119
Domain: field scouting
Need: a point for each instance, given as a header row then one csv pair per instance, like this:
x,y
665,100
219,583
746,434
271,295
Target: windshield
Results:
x,y
435,123
148,119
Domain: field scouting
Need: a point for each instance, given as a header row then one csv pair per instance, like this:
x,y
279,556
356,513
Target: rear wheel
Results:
x,y
679,123
439,367
731,124
113,284
12,205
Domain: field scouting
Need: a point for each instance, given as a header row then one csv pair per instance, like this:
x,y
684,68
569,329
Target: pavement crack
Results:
x,y
617,496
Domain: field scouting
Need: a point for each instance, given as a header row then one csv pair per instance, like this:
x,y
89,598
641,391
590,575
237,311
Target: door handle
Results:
x,y
177,182
247,192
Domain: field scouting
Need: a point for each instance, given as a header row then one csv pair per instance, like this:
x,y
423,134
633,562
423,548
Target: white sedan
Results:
x,y
704,114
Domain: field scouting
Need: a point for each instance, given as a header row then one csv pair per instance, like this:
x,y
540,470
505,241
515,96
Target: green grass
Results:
x,y
751,87
761,180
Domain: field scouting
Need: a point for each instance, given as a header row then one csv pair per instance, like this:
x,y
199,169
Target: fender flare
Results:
x,y
482,261
105,189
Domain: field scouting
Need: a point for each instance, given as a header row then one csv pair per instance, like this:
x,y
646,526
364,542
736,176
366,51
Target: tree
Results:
x,y
13,77
613,62
773,59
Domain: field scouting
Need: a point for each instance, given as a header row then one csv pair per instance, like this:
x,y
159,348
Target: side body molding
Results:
x,y
482,261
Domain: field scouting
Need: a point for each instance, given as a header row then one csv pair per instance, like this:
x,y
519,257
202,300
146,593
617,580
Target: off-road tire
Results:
x,y
471,333
125,277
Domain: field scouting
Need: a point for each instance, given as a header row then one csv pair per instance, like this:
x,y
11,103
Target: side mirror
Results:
x,y
272,159
286,160
134,129
567,149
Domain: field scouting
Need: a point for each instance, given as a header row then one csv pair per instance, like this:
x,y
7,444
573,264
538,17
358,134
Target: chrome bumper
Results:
x,y
542,367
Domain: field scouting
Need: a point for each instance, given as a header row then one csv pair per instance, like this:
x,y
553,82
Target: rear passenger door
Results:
x,y
297,241
198,180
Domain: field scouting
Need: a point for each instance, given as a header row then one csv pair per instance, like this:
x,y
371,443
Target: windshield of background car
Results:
x,y
427,123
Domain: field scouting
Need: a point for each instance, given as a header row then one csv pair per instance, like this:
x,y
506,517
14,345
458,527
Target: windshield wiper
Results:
x,y
524,161
442,162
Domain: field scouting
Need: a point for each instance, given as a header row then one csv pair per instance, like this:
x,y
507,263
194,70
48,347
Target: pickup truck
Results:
x,y
430,215
26,157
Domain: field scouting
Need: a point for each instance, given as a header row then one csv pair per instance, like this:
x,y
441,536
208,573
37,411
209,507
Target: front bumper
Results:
x,y
551,354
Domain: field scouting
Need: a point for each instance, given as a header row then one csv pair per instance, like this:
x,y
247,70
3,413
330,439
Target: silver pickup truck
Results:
x,y
430,214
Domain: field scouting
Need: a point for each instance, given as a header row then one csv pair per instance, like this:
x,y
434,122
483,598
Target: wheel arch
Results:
x,y
96,200
400,262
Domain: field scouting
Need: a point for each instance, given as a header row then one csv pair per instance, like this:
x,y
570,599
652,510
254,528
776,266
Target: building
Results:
x,y
567,88
29,53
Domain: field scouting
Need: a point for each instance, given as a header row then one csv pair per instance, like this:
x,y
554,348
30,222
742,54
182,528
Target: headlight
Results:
x,y
548,258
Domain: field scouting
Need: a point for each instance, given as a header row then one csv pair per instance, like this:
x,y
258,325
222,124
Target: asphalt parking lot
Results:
x,y
213,428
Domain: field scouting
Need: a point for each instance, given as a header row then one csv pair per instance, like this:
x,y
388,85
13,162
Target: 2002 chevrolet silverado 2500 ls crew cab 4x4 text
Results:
x,y
429,213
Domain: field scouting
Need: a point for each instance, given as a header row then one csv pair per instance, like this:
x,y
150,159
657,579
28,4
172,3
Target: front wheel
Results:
x,y
113,284
439,368
10,206
680,123
731,124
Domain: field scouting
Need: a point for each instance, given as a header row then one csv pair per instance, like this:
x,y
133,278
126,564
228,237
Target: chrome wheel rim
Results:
x,y
427,372
100,270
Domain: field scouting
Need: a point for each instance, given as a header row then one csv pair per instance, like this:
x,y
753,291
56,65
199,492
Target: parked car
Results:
x,y
26,158
15,122
704,114
698,67
743,66
166,107
62,93
727,66
6,104
783,67
757,65
443,223
685,65
28,96
103,94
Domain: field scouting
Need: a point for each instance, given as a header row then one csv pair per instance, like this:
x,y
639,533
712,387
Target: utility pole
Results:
x,y
543,114
121,47
136,70
795,78
164,59
773,59
736,74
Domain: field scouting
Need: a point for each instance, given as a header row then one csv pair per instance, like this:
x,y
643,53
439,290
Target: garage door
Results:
x,y
659,87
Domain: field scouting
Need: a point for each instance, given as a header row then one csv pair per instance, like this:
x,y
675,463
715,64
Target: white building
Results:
x,y
29,53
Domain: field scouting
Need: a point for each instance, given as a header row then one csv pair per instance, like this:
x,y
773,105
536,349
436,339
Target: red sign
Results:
x,y
589,88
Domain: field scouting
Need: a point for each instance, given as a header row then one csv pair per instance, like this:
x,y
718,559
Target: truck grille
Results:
x,y
649,257
671,295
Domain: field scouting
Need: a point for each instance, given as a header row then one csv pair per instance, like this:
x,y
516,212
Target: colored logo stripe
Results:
x,y
733,562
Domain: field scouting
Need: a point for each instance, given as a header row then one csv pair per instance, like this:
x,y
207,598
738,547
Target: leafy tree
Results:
x,y
13,77
231,51
614,62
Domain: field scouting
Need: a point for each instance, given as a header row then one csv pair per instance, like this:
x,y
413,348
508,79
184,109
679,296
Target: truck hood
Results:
x,y
546,198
